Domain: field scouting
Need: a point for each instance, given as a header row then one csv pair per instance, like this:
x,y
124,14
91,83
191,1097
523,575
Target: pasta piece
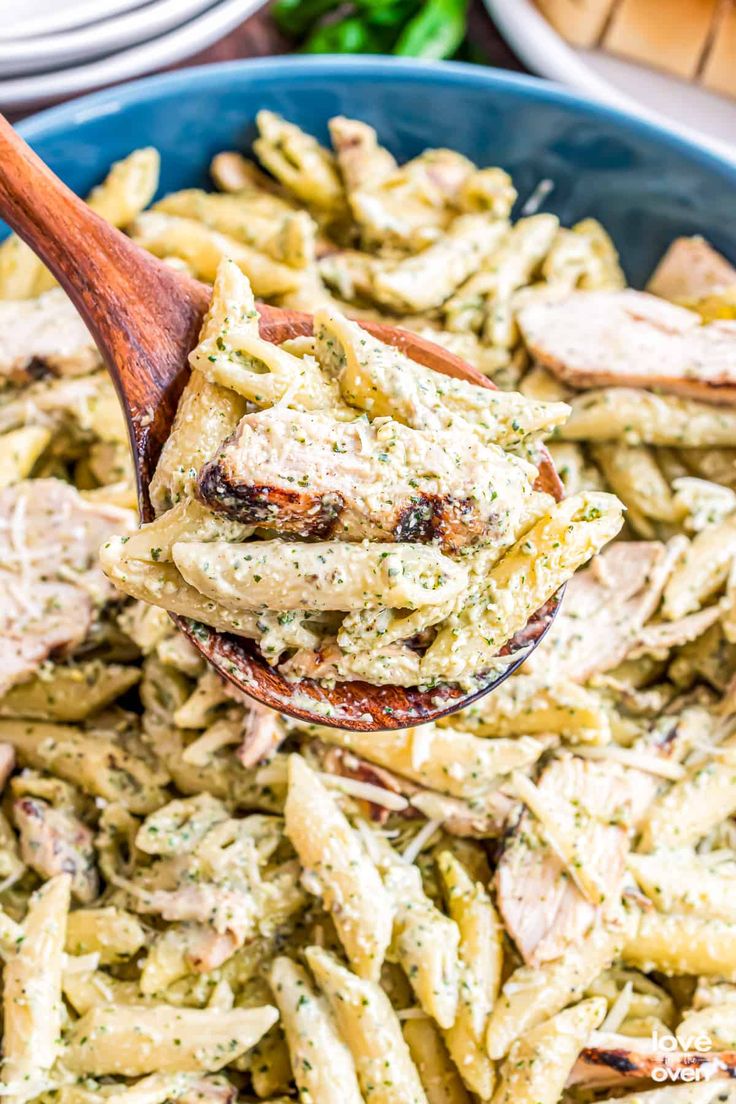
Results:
x,y
526,577
231,354
572,466
716,1024
94,761
485,301
11,933
481,964
702,570
286,235
232,172
366,630
206,414
603,270
679,882
32,1001
424,940
362,162
323,1067
538,1065
633,474
702,502
69,693
307,474
425,281
203,249
369,1026
322,575
348,881
538,383
489,189
447,760
19,451
270,1065
644,418
382,381
536,704
134,1040
187,1088
694,806
298,161
530,995
440,1078
128,188
682,945
408,206
7,764
186,521
112,933
717,464
160,584
85,405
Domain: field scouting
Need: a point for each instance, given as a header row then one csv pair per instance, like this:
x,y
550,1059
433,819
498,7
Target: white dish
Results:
x,y
699,115
36,55
196,35
38,17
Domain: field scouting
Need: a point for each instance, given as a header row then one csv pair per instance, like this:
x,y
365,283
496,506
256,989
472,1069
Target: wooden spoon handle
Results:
x,y
143,316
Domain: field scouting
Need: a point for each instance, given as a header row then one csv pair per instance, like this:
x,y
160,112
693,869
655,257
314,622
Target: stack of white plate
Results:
x,y
51,49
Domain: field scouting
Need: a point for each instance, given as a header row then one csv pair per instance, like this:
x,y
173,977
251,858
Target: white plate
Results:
x,y
24,18
36,55
699,115
169,48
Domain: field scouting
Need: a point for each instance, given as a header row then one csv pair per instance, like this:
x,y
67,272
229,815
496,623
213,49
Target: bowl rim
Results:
x,y
380,67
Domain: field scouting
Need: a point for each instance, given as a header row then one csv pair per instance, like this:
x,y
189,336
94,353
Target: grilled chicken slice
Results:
x,y
690,270
620,1061
630,338
605,609
54,841
310,475
42,337
50,581
544,910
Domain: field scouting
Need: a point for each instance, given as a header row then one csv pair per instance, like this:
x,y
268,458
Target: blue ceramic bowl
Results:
x,y
646,185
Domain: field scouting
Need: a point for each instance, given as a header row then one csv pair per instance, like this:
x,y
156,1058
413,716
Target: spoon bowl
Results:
x,y
145,318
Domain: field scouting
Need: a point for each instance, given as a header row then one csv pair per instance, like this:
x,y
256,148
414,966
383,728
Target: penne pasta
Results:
x,y
323,1066
369,1026
348,880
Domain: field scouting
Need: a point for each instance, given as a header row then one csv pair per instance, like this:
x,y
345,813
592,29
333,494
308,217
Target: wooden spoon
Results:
x,y
145,319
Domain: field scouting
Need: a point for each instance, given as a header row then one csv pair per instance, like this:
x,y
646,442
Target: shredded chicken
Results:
x,y
44,336
605,609
55,841
50,582
262,735
544,910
